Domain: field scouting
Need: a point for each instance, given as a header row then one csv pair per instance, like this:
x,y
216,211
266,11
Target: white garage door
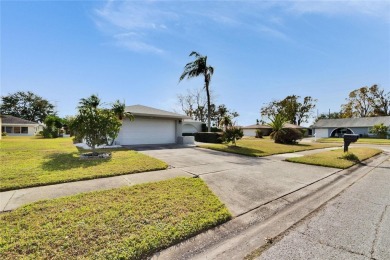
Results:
x,y
147,131
249,132
321,133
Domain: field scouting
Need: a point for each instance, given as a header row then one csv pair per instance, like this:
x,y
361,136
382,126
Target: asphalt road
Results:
x,y
354,225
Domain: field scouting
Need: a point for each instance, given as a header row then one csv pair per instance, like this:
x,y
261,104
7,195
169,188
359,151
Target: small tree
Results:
x,y
277,124
97,126
53,126
380,130
232,134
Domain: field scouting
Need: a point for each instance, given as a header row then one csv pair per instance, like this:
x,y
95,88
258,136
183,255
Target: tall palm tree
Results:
x,y
91,102
196,68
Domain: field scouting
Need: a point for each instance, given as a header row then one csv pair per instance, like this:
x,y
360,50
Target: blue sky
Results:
x,y
136,50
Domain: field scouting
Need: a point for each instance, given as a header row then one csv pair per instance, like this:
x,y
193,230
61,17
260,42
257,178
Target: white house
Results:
x,y
250,130
151,126
338,127
192,126
15,126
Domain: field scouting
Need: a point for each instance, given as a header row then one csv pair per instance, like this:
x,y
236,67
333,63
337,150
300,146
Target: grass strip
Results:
x,y
359,141
337,158
126,223
258,147
30,162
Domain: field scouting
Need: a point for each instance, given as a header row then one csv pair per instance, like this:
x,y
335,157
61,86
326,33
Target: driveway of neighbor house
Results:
x,y
243,183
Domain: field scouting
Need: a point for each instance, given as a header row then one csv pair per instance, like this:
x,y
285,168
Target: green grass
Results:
x,y
359,141
29,162
126,223
263,147
337,158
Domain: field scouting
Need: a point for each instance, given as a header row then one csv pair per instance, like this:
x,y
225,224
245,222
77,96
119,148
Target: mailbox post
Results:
x,y
348,139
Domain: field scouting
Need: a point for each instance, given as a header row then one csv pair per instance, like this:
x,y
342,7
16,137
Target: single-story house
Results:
x,y
151,126
15,126
338,127
250,130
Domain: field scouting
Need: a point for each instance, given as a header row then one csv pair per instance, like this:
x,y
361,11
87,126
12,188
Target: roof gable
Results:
x,y
139,110
353,122
7,119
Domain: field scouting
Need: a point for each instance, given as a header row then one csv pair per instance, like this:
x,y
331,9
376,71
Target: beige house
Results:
x,y
15,126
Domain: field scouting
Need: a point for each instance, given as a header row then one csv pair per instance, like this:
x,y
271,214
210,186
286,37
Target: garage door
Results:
x,y
147,131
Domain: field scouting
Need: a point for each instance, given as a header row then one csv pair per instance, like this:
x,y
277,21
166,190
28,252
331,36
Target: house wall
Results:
x,y
31,130
326,132
192,127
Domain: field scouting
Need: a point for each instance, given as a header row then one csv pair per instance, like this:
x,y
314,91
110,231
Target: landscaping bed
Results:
x,y
337,158
263,147
31,161
126,223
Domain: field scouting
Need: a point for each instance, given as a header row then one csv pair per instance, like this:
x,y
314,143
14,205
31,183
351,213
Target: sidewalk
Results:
x,y
354,225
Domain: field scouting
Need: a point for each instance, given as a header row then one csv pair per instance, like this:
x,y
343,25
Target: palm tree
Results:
x,y
225,122
196,68
120,111
92,102
277,124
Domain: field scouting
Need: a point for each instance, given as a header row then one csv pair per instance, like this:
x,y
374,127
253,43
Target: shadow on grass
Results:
x,y
67,161
239,150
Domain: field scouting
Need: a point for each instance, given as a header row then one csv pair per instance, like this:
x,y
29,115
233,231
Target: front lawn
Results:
x,y
126,223
359,141
335,159
263,147
31,161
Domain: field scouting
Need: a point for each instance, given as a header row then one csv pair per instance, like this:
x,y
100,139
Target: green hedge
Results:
x,y
207,137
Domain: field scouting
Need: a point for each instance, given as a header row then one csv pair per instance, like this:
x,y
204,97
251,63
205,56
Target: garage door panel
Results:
x,y
147,131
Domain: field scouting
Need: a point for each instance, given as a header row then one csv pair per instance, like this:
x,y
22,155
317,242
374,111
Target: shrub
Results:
x,y
380,130
187,134
232,134
287,136
259,133
4,134
207,137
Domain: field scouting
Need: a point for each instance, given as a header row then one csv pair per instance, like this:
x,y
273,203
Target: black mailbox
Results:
x,y
349,138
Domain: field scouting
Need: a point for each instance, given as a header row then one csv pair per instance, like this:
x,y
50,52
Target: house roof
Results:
x,y
13,120
288,125
139,110
353,122
256,127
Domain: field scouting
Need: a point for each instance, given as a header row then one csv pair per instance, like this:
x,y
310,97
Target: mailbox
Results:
x,y
349,138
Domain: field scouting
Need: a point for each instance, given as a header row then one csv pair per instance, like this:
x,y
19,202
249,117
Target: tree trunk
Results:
x,y
208,104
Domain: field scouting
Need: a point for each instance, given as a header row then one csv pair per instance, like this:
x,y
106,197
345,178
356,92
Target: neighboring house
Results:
x,y
250,130
306,131
15,126
338,127
151,126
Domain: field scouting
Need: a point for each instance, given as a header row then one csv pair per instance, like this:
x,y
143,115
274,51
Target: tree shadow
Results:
x,y
68,161
244,150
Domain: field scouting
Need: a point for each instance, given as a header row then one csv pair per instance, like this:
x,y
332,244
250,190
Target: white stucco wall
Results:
x,y
321,132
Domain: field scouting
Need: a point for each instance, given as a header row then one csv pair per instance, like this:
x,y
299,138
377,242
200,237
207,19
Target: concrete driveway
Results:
x,y
242,183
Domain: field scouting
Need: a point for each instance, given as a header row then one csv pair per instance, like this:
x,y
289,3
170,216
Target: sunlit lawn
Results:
x,y
263,147
334,158
125,223
359,141
31,161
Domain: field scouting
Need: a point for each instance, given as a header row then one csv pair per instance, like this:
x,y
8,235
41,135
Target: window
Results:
x,y
16,129
24,130
8,129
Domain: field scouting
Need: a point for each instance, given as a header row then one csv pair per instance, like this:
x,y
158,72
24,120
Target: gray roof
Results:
x,y
353,122
256,127
13,120
288,125
139,110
